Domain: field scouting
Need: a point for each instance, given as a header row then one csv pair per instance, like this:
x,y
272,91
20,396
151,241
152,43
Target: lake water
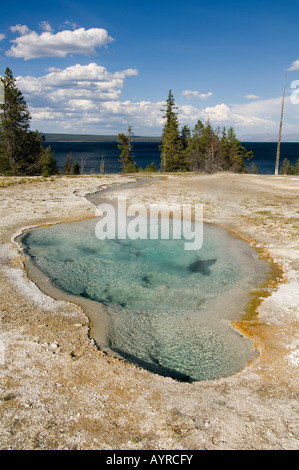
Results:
x,y
169,310
147,152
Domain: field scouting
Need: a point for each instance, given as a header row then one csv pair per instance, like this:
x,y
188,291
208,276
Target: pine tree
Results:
x,y
15,121
48,164
76,168
204,149
211,154
254,169
237,154
185,135
125,145
210,151
286,168
195,150
151,168
225,160
172,150
21,150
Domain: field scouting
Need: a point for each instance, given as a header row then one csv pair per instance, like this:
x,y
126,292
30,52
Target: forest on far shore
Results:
x,y
201,149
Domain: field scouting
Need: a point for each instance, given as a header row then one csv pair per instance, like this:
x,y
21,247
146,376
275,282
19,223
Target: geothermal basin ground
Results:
x,y
58,390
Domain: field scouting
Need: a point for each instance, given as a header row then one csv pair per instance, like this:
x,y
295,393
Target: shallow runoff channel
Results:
x,y
150,301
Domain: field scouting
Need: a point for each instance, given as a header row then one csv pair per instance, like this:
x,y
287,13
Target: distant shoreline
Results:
x,y
94,138
52,137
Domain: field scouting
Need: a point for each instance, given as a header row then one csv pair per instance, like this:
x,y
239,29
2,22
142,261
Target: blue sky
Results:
x,y
96,67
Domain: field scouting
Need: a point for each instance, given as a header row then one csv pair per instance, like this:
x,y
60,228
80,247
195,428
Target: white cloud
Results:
x,y
252,97
294,66
78,95
267,109
87,116
223,115
218,114
20,28
45,26
267,116
77,82
31,45
88,99
2,36
196,94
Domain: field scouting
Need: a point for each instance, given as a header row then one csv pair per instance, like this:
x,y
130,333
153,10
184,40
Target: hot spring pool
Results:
x,y
169,310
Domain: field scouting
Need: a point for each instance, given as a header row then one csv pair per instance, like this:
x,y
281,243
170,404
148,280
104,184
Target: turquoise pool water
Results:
x,y
169,309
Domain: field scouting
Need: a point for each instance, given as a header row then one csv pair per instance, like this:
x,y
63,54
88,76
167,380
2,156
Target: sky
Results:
x,y
96,67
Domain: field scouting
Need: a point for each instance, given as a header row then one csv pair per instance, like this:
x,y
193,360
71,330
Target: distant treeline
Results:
x,y
94,138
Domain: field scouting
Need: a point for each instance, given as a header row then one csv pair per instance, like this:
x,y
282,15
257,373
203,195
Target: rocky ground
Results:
x,y
59,391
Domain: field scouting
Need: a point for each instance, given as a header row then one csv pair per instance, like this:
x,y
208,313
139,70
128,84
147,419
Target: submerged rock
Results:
x,y
202,266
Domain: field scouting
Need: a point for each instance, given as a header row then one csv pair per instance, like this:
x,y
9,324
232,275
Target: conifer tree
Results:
x,y
196,149
210,151
48,164
125,145
21,150
225,150
15,121
76,168
185,135
172,154
237,154
286,168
